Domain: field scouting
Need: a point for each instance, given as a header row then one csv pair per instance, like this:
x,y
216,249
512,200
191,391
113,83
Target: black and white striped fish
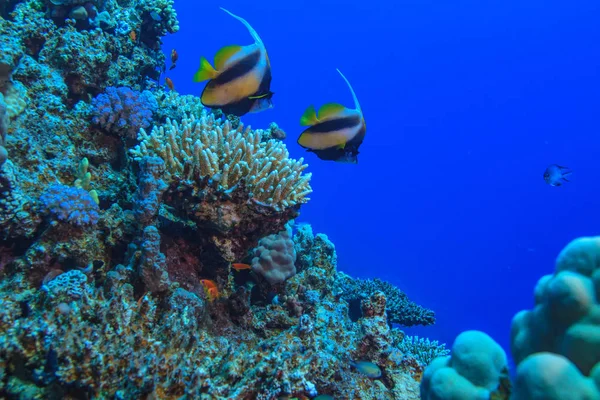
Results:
x,y
335,132
240,81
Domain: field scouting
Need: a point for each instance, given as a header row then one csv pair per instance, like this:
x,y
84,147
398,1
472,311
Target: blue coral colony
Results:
x,y
149,249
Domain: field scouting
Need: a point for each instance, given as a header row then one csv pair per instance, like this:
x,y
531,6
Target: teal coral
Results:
x,y
555,345
422,349
401,310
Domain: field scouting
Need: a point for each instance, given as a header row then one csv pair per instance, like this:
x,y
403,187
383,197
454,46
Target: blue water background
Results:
x,y
466,103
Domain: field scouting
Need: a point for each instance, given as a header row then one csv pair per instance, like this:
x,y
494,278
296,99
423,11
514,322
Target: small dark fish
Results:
x,y
556,174
155,16
172,67
336,132
174,56
240,81
367,368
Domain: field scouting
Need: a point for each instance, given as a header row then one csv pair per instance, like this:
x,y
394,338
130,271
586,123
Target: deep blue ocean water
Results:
x,y
466,104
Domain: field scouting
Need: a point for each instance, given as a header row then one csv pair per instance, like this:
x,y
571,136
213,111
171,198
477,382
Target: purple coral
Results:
x,y
70,204
123,110
275,256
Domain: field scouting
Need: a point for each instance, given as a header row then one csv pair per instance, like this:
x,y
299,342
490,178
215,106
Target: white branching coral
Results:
x,y
202,147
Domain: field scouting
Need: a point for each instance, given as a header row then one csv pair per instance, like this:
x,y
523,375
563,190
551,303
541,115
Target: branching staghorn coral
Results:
x,y
202,147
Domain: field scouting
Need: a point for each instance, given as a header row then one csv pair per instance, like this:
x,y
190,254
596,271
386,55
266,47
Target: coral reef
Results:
x,y
225,185
74,338
122,207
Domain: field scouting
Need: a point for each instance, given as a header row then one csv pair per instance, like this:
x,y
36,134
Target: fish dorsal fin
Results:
x,y
225,55
247,25
309,117
356,104
330,110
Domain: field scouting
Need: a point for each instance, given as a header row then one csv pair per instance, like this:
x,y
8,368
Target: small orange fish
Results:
x,y
174,56
169,83
210,288
133,36
239,266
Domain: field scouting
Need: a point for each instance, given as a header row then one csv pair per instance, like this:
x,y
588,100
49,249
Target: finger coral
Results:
x,y
202,147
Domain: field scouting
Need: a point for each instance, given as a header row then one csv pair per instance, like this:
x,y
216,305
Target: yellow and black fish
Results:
x,y
335,132
240,82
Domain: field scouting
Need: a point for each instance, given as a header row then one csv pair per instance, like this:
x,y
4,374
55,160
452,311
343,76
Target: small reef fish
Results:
x,y
367,368
169,83
133,36
556,174
210,288
240,266
240,81
174,58
336,132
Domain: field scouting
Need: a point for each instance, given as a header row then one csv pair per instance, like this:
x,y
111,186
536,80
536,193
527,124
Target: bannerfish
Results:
x,y
556,174
367,368
335,132
240,81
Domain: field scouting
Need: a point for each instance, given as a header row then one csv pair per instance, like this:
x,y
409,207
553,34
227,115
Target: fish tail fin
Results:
x,y
205,71
356,104
253,33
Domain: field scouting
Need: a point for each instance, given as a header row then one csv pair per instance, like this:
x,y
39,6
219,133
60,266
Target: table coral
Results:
x,y
400,310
